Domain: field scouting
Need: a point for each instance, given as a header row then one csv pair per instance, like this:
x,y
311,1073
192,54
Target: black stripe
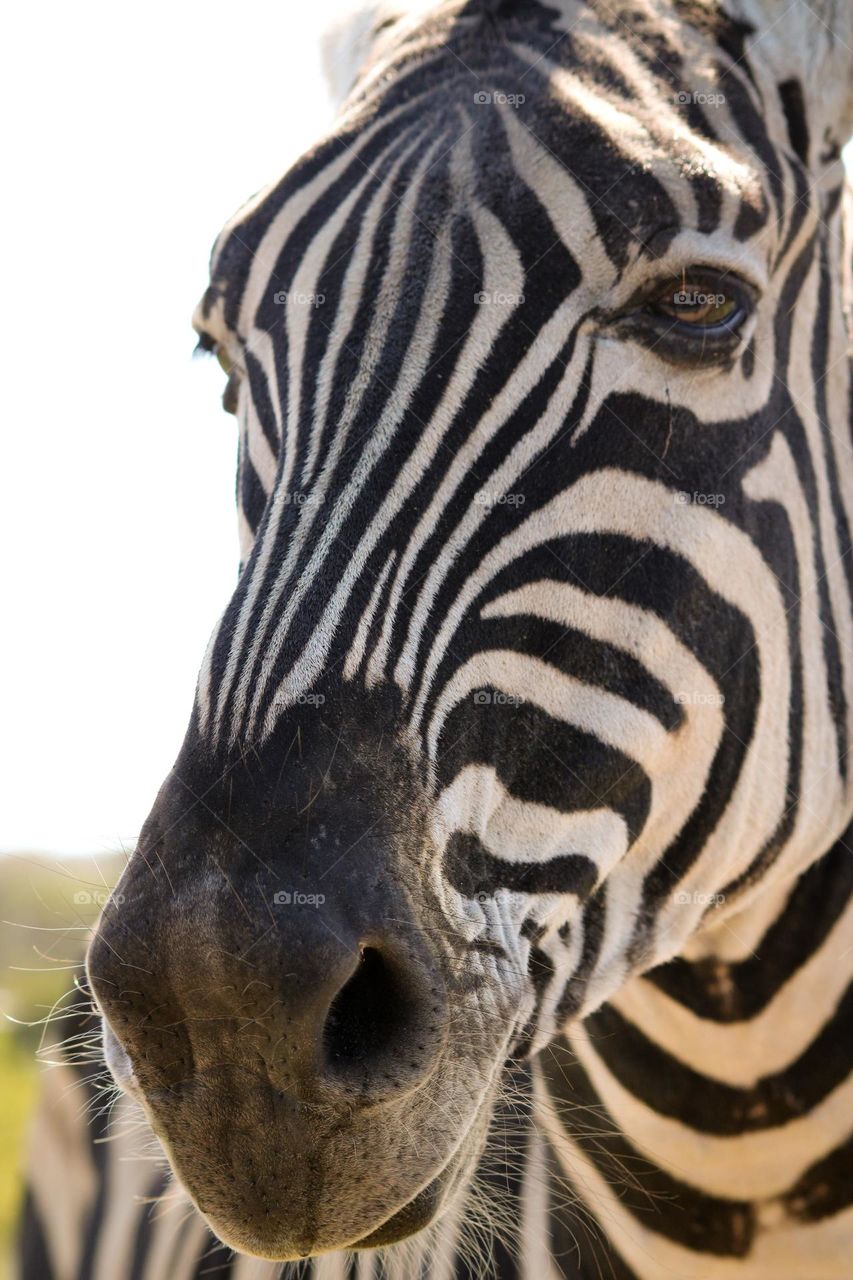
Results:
x,y
145,1229
584,657
815,906
660,1202
794,106
540,972
826,1188
253,499
594,919
671,1088
541,759
820,362
32,1254
260,391
471,869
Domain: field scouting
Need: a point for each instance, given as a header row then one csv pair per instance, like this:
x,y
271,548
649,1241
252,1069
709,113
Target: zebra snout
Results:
x,y
281,1067
328,1010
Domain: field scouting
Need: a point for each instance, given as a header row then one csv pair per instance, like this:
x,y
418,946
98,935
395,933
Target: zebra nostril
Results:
x,y
371,1021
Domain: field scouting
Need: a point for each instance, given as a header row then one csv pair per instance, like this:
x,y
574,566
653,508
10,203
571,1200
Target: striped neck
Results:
x,y
704,1114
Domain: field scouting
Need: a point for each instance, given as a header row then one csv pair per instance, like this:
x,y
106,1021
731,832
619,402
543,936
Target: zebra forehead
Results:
x,y
647,126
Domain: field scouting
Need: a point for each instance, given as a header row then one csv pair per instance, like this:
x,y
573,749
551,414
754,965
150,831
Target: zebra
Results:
x,y
495,918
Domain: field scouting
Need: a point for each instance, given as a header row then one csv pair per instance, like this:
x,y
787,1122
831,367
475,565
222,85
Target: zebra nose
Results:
x,y
335,1021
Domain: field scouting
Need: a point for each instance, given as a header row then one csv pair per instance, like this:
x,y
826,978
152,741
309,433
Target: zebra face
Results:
x,y
533,668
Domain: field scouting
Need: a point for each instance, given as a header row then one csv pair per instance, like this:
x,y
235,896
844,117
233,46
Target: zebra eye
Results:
x,y
694,318
697,307
701,303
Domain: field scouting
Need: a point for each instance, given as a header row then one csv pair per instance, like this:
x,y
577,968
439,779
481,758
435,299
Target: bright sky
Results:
x,y
132,133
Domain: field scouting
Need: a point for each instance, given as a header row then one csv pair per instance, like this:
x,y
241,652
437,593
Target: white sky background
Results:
x,y
130,134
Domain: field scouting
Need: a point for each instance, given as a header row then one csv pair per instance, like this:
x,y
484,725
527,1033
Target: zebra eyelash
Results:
x,y
207,345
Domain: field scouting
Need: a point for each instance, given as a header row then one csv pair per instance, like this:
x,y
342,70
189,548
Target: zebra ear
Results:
x,y
807,46
359,30
346,45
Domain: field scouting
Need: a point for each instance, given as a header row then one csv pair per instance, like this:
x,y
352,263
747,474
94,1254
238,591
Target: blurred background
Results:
x,y
131,134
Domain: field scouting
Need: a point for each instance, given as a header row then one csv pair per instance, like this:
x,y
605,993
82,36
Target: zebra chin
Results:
x,y
340,1208
282,1180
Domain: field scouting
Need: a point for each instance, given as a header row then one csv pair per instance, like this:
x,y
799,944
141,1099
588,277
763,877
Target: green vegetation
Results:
x,y
47,908
17,1089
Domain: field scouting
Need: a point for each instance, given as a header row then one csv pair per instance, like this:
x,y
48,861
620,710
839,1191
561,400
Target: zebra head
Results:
x,y
538,666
